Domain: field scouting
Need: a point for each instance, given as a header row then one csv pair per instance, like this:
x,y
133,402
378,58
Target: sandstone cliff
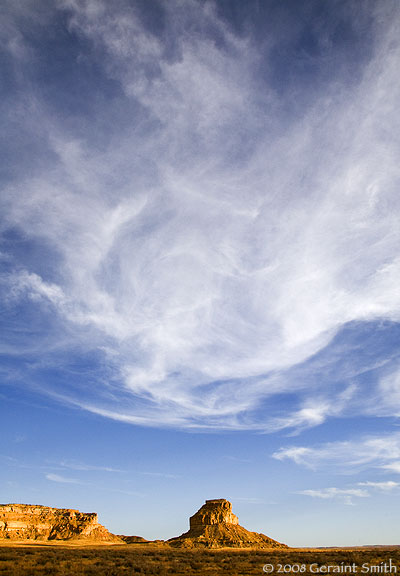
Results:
x,y
215,526
26,522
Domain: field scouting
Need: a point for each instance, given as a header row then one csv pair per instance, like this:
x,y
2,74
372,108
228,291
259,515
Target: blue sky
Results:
x,y
199,263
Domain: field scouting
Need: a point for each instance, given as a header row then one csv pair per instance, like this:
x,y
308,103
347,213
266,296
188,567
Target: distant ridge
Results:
x,y
215,526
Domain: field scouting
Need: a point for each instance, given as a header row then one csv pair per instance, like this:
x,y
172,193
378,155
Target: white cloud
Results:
x,y
210,242
161,475
387,486
388,394
393,466
61,479
369,452
315,411
87,467
35,288
346,494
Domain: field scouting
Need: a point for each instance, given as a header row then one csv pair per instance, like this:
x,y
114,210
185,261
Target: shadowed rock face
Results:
x,y
215,526
27,522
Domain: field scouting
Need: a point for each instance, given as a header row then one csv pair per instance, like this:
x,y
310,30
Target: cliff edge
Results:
x,y
29,522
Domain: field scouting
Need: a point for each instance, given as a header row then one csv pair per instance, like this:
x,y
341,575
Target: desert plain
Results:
x,y
39,540
63,559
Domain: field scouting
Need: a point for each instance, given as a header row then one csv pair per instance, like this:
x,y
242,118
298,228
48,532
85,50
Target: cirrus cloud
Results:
x,y
204,240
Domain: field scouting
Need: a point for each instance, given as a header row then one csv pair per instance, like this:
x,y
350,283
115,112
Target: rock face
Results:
x,y
213,512
215,526
26,522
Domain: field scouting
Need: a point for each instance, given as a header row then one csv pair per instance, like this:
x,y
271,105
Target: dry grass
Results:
x,y
123,560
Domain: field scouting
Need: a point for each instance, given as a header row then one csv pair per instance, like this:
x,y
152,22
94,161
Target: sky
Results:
x,y
200,270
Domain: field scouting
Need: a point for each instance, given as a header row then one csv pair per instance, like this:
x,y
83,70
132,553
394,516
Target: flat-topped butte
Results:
x,y
215,526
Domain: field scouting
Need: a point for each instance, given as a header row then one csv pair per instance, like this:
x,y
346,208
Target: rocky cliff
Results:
x,y
26,522
215,526
213,512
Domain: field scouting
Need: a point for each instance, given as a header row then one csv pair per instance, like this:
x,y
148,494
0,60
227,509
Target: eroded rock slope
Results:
x,y
215,526
27,522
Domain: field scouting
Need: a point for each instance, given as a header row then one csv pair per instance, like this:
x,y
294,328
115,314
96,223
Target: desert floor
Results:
x,y
117,560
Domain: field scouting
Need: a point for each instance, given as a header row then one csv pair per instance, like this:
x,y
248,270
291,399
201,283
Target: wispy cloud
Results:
x,y
161,474
315,411
387,486
348,494
87,467
345,494
61,479
369,452
393,466
198,229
